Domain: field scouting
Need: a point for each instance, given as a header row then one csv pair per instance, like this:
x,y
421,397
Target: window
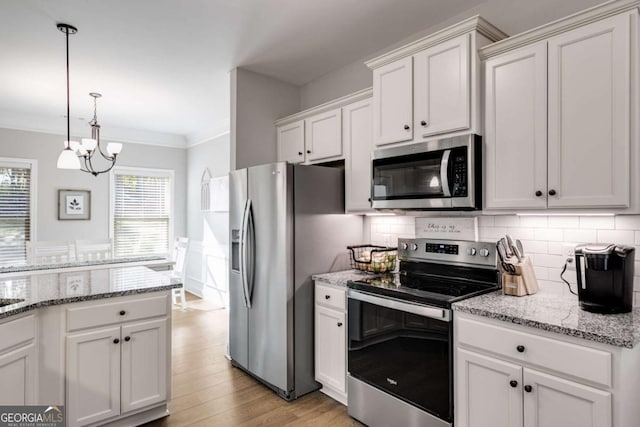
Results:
x,y
17,222
141,211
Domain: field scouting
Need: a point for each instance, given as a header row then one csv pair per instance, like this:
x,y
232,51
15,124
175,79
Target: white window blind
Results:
x,y
15,212
141,214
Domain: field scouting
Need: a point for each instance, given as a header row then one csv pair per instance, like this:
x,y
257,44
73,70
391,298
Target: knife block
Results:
x,y
522,283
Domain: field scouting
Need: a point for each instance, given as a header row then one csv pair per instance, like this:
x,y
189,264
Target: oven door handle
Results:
x,y
444,173
395,304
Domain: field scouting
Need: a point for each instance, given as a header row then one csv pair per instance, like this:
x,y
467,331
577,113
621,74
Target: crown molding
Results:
x,y
474,23
336,103
558,26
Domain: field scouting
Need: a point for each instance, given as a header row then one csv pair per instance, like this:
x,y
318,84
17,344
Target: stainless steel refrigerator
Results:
x,y
287,222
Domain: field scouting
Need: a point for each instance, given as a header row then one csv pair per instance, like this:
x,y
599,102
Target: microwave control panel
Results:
x,y
459,166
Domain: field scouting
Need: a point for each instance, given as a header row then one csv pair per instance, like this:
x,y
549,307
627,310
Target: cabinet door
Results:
x,y
144,364
393,102
291,142
589,141
331,351
556,402
357,139
516,129
485,394
442,94
323,135
93,376
17,374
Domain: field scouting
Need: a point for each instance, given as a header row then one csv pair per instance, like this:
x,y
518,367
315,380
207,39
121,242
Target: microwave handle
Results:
x,y
444,173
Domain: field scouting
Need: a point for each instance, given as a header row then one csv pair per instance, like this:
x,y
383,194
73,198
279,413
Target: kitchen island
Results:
x,y
97,340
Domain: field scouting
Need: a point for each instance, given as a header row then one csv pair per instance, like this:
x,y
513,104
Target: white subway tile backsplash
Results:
x,y
550,234
580,235
626,237
486,221
627,222
544,237
534,221
508,221
534,247
564,222
597,222
544,260
555,248
522,233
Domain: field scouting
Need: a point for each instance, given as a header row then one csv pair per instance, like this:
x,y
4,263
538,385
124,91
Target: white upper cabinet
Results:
x,y
442,91
516,129
430,87
315,135
357,137
323,138
589,87
561,116
393,102
291,142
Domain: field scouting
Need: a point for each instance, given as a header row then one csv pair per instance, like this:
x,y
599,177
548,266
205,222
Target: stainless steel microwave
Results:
x,y
444,174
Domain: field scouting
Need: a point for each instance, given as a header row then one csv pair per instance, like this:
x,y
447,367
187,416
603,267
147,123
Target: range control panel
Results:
x,y
448,251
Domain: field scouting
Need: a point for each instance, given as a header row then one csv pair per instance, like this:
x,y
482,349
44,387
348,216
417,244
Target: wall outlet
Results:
x,y
568,250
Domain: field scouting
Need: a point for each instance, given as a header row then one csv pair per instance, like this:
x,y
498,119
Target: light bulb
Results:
x,y
89,143
68,160
114,148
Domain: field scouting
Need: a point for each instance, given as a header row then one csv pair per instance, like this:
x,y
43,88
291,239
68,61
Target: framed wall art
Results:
x,y
74,204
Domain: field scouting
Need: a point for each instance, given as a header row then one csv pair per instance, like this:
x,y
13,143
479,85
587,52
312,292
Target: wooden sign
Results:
x,y
447,228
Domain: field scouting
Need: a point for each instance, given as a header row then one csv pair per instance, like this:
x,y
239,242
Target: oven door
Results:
x,y
403,349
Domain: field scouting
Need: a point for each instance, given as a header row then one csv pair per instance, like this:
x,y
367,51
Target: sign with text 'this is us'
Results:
x,y
447,228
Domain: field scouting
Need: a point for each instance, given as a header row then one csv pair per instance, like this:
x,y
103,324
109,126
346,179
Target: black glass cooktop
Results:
x,y
424,288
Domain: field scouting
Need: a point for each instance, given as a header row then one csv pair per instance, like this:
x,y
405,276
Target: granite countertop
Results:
x,y
71,264
40,290
557,312
340,278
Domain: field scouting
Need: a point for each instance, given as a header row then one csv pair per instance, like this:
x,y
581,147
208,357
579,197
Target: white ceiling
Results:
x,y
162,65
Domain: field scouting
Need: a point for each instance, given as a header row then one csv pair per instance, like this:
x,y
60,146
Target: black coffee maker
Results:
x,y
605,277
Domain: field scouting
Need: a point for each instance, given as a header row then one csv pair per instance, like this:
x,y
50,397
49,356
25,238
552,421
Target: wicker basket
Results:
x,y
372,258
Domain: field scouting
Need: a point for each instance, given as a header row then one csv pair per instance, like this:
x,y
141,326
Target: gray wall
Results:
x,y
45,148
511,16
256,102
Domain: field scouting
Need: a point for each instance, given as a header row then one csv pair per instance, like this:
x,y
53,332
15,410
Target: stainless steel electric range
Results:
x,y
400,353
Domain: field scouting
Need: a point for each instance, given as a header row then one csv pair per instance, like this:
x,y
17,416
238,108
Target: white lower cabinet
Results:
x,y
93,376
116,370
331,341
17,376
18,361
508,376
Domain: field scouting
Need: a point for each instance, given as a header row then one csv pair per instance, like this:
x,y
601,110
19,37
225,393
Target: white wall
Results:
x,y
257,101
544,238
208,232
46,147
511,16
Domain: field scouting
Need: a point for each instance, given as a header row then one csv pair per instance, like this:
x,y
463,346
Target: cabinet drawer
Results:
x,y
570,359
331,297
17,331
89,316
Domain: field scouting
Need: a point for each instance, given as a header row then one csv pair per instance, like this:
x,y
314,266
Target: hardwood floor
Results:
x,y
208,391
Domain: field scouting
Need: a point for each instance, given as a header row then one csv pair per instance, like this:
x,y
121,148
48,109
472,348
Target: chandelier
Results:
x,y
79,155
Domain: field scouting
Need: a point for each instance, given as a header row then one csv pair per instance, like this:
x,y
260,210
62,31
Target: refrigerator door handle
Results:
x,y
251,254
243,253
